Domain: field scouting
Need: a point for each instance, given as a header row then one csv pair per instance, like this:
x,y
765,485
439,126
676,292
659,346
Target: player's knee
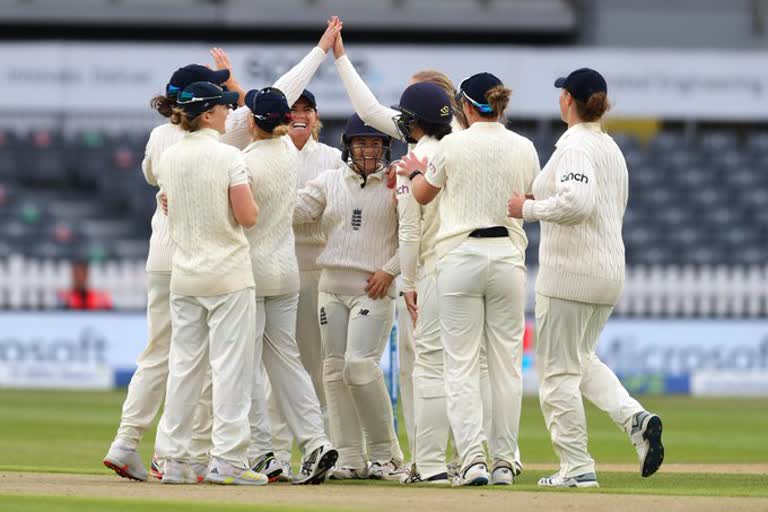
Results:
x,y
359,372
333,369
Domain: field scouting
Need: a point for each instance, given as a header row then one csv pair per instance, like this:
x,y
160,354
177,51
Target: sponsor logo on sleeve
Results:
x,y
403,189
574,176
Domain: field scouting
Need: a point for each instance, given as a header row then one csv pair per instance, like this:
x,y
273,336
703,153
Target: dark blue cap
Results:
x,y
428,102
582,83
357,128
199,97
191,73
269,107
475,88
309,97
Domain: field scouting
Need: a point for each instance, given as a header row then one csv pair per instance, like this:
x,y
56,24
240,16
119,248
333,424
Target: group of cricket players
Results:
x,y
278,265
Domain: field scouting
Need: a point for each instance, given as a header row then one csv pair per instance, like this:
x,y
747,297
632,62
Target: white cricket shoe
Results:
x,y
225,473
315,467
126,462
415,478
645,434
178,472
390,470
581,481
503,473
475,473
287,474
348,474
268,465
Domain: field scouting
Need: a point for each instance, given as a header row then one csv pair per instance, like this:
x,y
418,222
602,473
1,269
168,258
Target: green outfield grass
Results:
x,y
61,431
78,504
71,431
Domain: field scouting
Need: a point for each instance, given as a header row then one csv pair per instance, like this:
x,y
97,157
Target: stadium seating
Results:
x,y
696,227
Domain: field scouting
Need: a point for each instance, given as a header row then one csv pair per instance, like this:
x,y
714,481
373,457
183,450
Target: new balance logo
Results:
x,y
364,312
323,317
574,177
357,218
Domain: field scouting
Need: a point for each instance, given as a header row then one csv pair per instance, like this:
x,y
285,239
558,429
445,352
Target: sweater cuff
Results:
x,y
528,210
392,267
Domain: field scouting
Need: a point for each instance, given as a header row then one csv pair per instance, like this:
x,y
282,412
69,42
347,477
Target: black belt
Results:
x,y
494,232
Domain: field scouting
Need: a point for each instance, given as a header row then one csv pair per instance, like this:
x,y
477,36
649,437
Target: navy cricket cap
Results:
x,y
269,107
426,101
356,127
475,88
582,83
309,97
199,97
191,73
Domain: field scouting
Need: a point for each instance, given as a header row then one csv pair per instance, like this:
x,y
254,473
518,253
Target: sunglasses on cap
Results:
x,y
485,108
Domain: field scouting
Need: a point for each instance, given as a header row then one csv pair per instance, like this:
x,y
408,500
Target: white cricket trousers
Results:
x,y
147,388
291,386
568,368
431,417
308,342
406,358
481,296
217,332
308,332
355,331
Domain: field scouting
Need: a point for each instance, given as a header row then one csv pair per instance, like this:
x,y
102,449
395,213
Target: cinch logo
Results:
x,y
402,190
574,177
445,111
357,218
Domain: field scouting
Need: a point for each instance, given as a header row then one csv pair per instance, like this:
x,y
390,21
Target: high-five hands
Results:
x,y
329,37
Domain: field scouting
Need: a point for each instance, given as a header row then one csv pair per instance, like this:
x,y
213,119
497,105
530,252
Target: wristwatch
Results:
x,y
414,174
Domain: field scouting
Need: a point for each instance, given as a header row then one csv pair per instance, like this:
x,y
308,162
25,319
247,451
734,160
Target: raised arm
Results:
x,y
365,103
292,84
298,77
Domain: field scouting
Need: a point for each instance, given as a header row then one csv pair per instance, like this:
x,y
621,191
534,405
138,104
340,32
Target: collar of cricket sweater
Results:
x,y
309,146
350,174
486,126
579,128
263,143
203,133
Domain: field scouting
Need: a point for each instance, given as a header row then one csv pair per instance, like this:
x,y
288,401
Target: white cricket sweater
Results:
x,y
314,158
360,224
160,257
292,84
211,256
581,196
272,166
479,169
419,224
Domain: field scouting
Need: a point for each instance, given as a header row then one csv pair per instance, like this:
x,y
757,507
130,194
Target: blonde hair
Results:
x,y
594,108
441,79
316,129
257,132
498,98
180,118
